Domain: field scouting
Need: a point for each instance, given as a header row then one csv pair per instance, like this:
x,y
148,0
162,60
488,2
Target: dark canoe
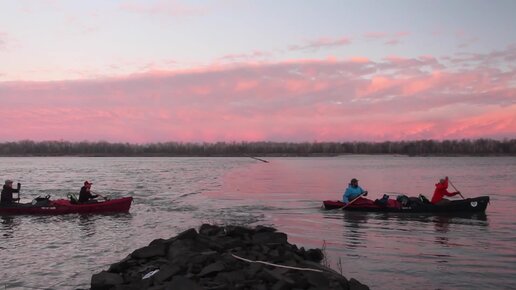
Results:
x,y
477,204
63,206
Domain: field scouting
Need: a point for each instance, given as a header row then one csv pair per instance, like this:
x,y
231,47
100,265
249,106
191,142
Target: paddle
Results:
x,y
19,189
356,198
455,189
100,195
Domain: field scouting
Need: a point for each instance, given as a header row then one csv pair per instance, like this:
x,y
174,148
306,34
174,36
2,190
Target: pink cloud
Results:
x,y
388,38
246,56
297,100
359,59
322,43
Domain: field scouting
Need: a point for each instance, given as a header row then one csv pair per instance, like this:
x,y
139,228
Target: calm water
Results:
x,y
385,251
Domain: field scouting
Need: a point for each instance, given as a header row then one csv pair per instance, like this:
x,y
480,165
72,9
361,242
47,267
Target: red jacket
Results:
x,y
441,191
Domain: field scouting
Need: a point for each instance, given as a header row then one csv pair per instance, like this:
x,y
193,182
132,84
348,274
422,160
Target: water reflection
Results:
x,y
355,224
442,226
87,225
8,226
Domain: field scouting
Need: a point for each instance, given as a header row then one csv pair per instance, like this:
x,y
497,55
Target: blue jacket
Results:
x,y
351,193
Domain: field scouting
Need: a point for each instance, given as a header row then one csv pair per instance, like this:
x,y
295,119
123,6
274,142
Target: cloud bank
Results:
x,y
297,100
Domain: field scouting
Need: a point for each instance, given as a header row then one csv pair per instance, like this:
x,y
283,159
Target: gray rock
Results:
x,y
237,231
280,285
156,250
355,285
139,285
182,283
194,269
210,230
212,268
158,241
316,279
315,255
267,238
165,273
178,248
253,269
187,235
278,274
105,280
123,265
260,228
211,243
259,287
232,277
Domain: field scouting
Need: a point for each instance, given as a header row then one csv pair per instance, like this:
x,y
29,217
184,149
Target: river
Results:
x,y
384,251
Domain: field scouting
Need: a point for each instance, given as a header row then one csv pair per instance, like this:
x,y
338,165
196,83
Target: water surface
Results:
x,y
173,194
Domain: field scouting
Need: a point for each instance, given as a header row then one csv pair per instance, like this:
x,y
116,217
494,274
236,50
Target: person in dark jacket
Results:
x,y
7,192
85,194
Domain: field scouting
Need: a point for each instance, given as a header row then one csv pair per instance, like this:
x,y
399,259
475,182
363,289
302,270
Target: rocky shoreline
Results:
x,y
223,257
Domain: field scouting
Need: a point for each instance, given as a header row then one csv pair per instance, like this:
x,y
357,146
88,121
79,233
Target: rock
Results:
x,y
232,277
237,231
178,248
105,280
156,250
204,260
166,272
260,228
158,241
355,285
187,235
210,230
267,238
315,255
277,275
280,285
181,283
212,268
122,265
316,279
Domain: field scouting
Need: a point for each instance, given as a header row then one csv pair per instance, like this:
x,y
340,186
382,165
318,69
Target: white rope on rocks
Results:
x,y
276,265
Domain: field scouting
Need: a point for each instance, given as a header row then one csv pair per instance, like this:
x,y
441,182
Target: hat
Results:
x,y
354,180
8,181
87,182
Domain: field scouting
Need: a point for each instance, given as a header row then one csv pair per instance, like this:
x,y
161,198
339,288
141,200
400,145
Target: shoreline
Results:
x,y
258,155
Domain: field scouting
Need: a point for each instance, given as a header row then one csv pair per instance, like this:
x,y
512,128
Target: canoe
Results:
x,y
63,206
477,204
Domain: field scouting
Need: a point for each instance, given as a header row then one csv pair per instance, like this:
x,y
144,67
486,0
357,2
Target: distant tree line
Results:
x,y
478,147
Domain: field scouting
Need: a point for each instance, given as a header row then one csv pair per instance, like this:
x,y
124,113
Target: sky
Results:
x,y
300,71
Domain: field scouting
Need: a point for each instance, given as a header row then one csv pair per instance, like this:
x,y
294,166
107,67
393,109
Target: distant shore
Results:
x,y
430,148
259,156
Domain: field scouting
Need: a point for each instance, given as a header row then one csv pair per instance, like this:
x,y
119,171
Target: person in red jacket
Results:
x,y
441,191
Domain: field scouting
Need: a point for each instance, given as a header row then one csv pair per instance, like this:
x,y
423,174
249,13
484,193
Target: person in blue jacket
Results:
x,y
353,191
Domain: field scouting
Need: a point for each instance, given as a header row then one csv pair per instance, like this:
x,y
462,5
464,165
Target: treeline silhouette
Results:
x,y
478,147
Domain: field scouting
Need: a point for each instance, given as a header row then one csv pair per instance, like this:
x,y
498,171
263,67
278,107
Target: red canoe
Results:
x,y
476,204
63,206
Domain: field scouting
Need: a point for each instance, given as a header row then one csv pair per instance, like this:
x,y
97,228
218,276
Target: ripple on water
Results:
x,y
174,194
